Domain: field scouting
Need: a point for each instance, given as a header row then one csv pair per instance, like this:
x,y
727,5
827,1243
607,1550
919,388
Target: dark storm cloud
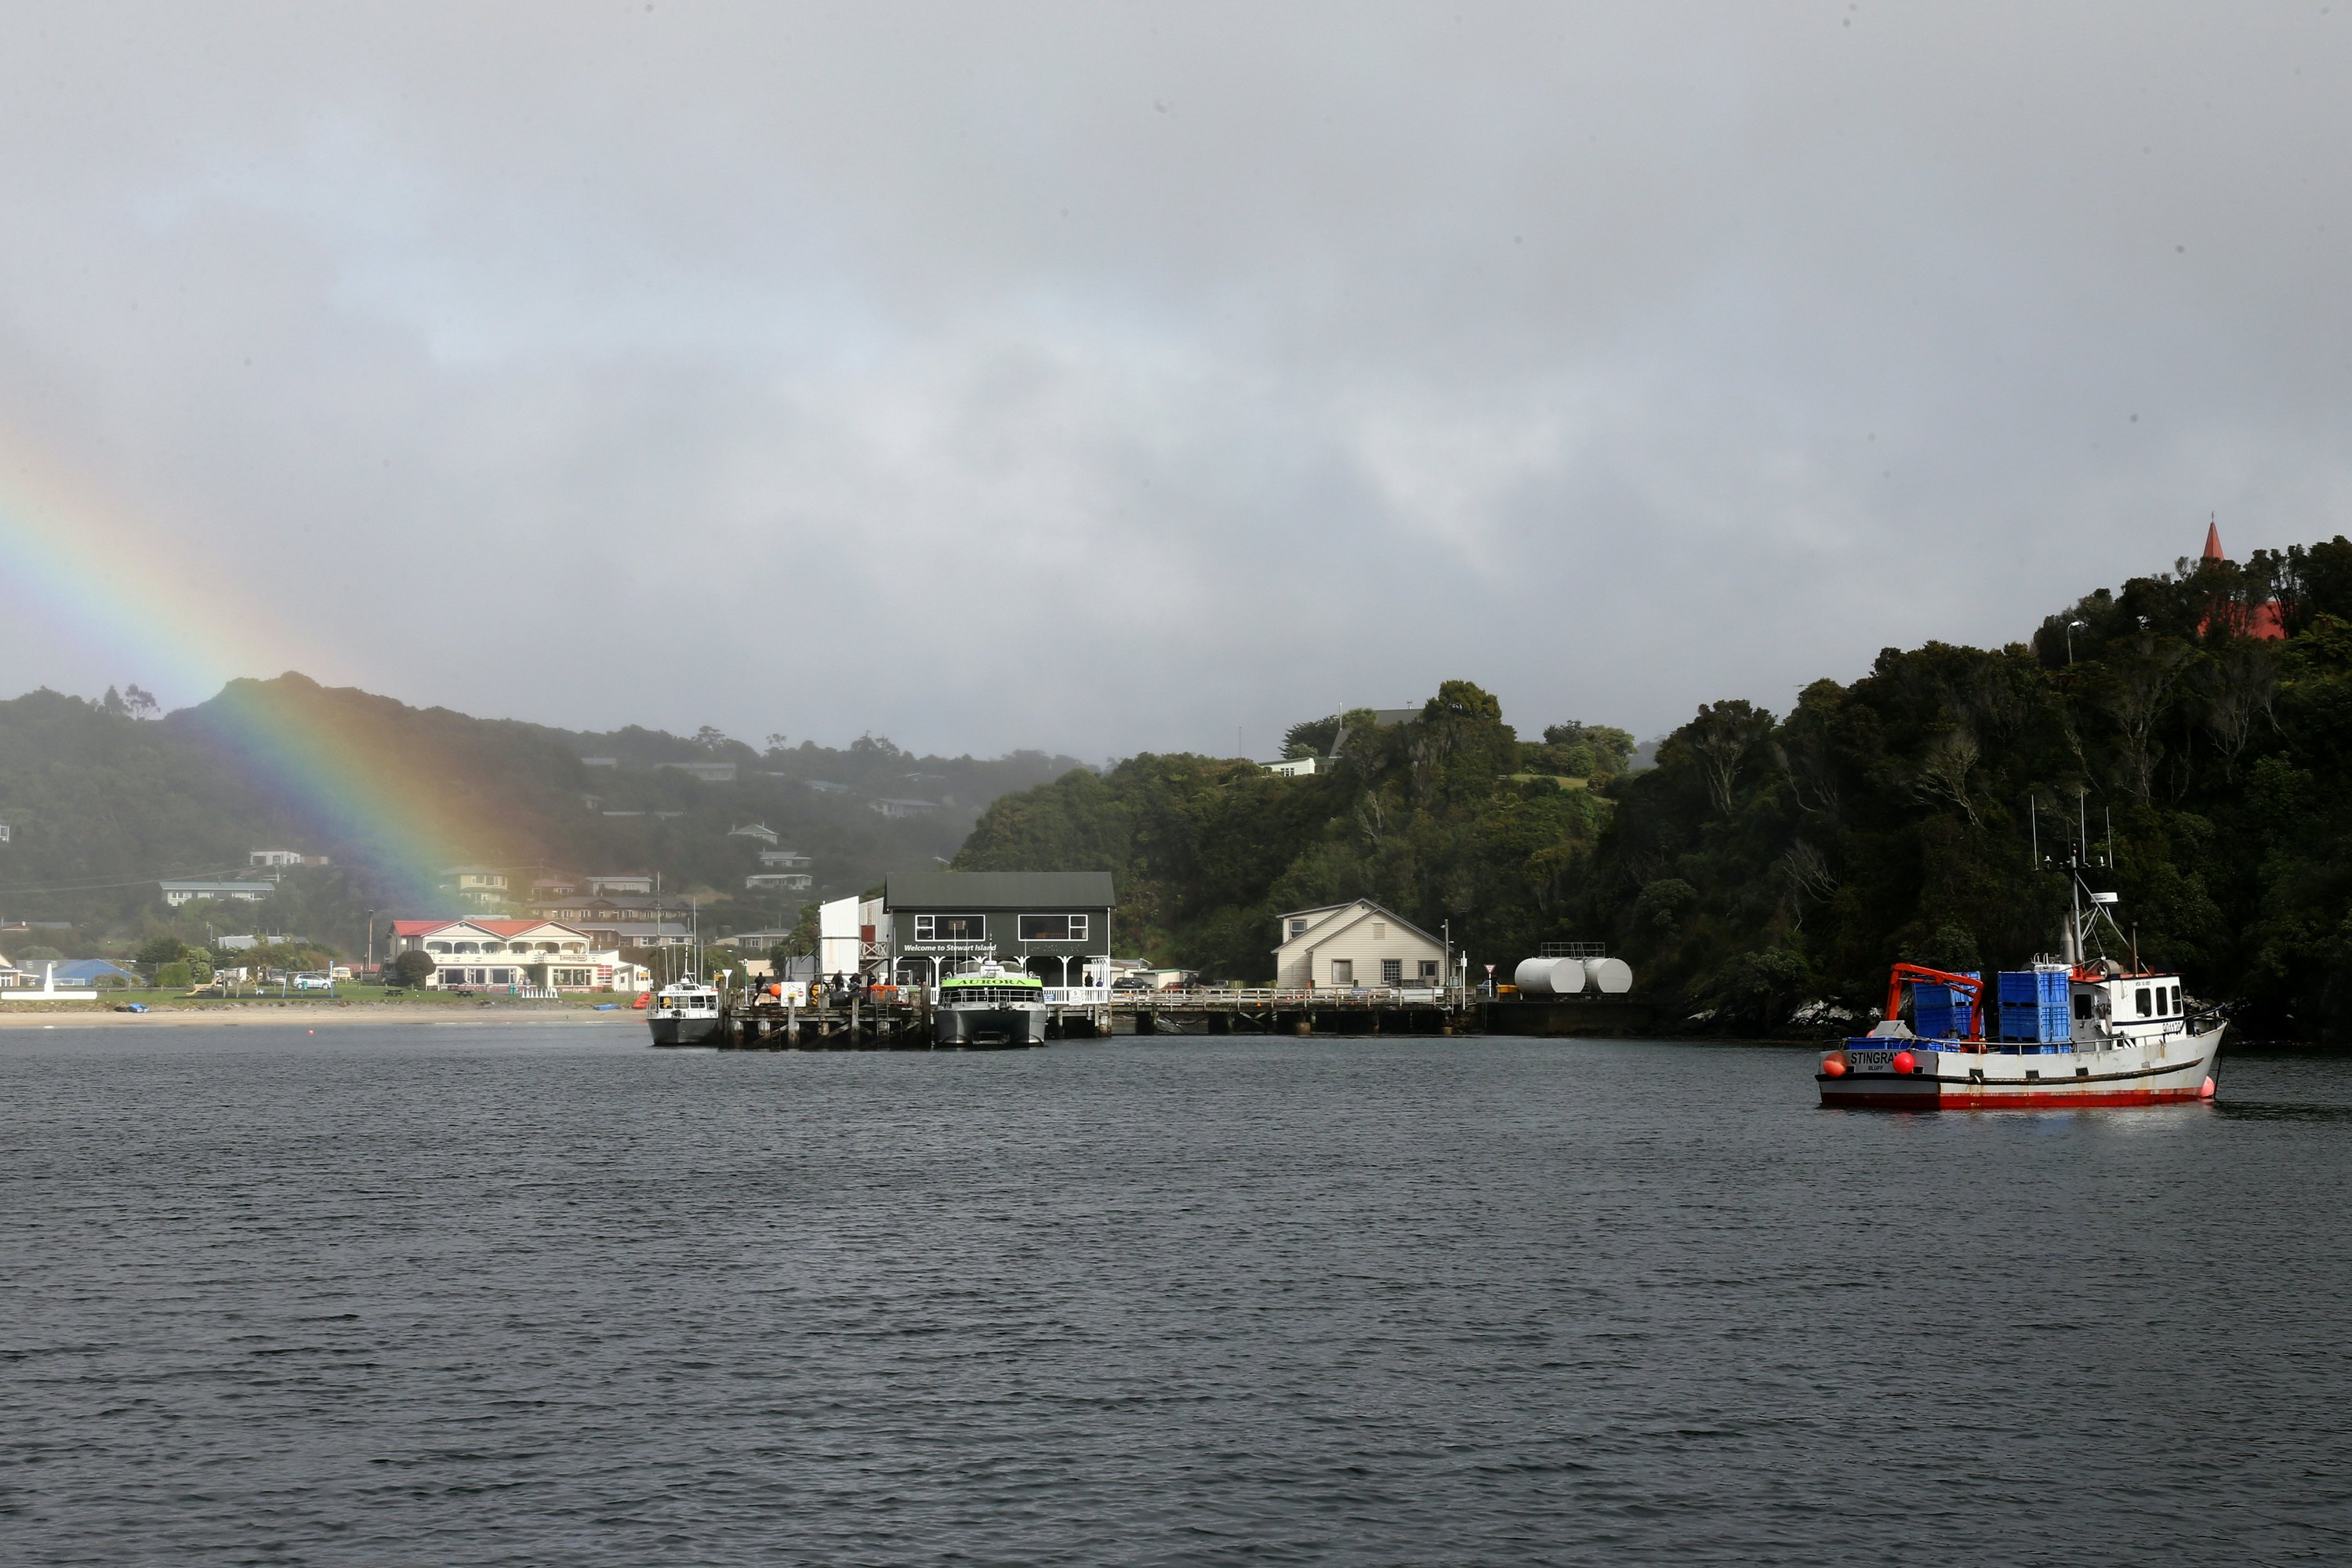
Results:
x,y
1109,378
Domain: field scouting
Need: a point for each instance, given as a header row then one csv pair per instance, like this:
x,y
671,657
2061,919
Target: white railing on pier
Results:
x,y
1271,995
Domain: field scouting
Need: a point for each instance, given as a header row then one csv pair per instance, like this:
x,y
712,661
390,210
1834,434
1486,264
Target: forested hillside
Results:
x,y
1767,860
1771,860
1447,815
102,803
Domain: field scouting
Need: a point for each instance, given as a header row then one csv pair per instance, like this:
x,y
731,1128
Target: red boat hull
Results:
x,y
1843,1093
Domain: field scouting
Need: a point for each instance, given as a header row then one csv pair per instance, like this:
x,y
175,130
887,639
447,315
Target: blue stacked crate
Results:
x,y
1939,1012
2036,1006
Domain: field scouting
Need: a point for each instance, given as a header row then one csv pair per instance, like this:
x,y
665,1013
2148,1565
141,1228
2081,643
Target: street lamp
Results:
x,y
370,938
2072,627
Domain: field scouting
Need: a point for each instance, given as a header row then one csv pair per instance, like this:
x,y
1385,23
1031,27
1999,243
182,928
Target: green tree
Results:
x,y
411,969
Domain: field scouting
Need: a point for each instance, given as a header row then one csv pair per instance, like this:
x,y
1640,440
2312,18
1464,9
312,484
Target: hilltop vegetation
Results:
x,y
102,803
1448,815
1769,861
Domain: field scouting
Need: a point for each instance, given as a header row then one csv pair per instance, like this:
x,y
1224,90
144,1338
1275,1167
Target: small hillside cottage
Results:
x,y
1355,945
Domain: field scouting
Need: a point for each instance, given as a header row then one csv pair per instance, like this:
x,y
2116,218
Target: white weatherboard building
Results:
x,y
538,955
851,937
1355,945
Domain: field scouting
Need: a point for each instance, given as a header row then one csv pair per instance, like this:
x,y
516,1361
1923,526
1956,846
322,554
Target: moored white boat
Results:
x,y
989,1005
2080,1032
686,1013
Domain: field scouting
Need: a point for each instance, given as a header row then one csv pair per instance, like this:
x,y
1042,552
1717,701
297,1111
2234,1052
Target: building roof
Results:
x,y
1322,932
955,891
492,928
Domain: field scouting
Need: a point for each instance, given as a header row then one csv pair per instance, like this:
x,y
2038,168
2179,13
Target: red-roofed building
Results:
x,y
2263,621
521,955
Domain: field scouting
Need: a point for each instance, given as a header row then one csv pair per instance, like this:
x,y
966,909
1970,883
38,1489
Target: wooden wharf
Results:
x,y
903,1022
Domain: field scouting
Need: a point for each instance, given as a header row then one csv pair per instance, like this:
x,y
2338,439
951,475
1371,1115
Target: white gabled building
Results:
x,y
538,955
1355,945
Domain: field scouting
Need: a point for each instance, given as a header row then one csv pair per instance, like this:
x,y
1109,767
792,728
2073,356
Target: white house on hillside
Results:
x,y
1358,943
178,893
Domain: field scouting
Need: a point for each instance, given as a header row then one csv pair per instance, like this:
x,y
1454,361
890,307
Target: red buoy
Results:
x,y
1833,1065
1905,1062
2205,1092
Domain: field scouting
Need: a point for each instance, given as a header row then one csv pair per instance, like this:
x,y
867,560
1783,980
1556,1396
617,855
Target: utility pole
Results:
x,y
370,938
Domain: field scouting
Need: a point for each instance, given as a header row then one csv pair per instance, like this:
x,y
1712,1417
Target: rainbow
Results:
x,y
352,768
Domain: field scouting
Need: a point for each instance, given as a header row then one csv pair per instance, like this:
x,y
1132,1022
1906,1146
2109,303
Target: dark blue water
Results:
x,y
530,1295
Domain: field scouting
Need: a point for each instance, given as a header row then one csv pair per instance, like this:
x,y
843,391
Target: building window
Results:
x,y
950,928
1298,928
501,976
1051,928
437,947
1343,971
1392,971
1429,969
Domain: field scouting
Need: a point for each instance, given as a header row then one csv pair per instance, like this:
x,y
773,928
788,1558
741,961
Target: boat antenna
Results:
x,y
2033,817
2110,837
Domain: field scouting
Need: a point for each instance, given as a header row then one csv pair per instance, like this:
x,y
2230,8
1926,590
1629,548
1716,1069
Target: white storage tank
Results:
x,y
1548,976
1610,976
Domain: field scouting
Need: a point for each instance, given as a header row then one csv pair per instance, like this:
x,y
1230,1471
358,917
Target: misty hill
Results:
x,y
2203,717
100,805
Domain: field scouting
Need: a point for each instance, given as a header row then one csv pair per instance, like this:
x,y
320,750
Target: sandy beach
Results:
x,y
306,1015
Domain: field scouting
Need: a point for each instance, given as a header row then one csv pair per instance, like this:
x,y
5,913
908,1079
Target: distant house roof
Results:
x,y
957,891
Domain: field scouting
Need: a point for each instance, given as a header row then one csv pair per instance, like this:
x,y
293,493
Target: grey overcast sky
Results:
x,y
1120,377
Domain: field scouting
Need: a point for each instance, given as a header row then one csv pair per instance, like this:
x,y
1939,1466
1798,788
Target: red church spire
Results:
x,y
2213,540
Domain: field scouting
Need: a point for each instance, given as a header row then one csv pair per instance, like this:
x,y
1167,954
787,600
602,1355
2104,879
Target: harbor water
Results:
x,y
517,1295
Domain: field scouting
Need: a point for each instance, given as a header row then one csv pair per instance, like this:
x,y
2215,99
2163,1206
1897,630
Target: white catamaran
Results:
x,y
989,1004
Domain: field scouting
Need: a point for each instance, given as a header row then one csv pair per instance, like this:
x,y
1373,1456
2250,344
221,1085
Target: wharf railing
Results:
x,y
1281,996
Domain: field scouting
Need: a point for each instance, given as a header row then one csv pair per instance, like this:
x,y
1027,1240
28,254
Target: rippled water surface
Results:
x,y
546,1296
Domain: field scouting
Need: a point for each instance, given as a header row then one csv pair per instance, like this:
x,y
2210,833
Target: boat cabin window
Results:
x,y
2081,1004
2176,999
2140,1000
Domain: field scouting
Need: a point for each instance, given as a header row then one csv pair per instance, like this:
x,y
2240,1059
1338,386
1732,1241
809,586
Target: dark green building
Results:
x,y
1052,924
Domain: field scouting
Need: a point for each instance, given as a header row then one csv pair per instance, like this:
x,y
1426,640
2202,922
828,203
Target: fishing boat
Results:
x,y
990,1006
2079,1030
686,1013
